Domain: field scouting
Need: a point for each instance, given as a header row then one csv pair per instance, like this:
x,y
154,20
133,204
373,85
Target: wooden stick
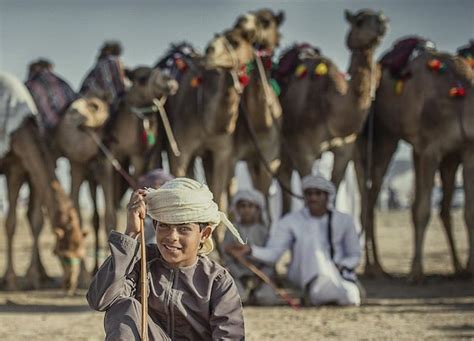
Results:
x,y
144,283
263,276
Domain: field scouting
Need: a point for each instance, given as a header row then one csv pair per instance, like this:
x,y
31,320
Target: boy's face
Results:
x,y
247,211
316,201
179,244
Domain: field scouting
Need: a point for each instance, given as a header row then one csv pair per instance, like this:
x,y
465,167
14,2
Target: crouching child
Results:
x,y
248,206
189,295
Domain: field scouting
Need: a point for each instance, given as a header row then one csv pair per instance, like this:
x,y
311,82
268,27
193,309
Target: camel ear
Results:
x,y
349,16
280,18
59,233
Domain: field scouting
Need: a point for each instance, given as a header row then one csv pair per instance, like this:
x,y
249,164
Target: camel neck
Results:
x,y
361,71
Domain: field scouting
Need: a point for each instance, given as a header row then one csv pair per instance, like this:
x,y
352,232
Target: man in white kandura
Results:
x,y
324,244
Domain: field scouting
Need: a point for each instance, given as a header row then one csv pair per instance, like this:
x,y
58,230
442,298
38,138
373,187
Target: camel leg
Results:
x,y
106,180
262,180
36,273
342,156
77,177
425,169
14,181
384,146
448,168
284,176
179,165
468,176
95,223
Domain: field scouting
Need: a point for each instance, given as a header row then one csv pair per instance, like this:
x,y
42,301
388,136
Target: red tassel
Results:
x,y
244,79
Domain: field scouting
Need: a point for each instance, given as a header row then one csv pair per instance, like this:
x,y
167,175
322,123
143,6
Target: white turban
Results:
x,y
183,200
250,195
319,182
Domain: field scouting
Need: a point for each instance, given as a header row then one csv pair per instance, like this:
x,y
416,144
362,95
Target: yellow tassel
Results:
x,y
398,87
321,69
300,70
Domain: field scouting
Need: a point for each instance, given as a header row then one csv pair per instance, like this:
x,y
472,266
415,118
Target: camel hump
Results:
x,y
107,76
291,57
402,52
52,96
466,51
178,59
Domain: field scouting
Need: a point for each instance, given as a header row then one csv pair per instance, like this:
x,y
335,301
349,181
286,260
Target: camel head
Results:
x,y
367,29
38,66
90,111
263,25
231,49
148,83
70,239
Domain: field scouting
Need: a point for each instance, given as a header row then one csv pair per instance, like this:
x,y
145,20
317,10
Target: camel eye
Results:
x,y
142,80
359,22
265,23
93,106
233,42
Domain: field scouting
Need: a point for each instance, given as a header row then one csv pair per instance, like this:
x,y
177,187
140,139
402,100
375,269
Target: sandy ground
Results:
x,y
441,308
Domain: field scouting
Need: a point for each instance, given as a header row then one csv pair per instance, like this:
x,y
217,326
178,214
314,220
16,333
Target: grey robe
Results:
x,y
199,302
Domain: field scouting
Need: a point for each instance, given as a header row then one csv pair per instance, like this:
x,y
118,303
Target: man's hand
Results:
x,y
136,211
237,250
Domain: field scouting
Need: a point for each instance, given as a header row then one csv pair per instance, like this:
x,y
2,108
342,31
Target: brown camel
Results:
x,y
322,105
122,131
204,113
259,118
28,158
420,114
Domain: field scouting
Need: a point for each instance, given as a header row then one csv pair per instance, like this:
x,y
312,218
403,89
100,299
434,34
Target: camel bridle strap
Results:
x,y
263,77
235,65
166,124
110,157
158,107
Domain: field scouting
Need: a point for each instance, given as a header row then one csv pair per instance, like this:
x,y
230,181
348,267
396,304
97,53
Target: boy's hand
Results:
x,y
237,250
136,211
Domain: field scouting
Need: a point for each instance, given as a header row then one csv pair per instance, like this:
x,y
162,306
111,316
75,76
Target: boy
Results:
x,y
248,206
190,296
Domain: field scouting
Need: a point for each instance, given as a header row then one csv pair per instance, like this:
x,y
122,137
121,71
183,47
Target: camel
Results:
x,y
320,105
122,133
260,111
26,158
204,113
410,115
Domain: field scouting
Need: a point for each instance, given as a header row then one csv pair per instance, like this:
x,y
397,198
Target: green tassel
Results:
x,y
150,139
275,86
249,67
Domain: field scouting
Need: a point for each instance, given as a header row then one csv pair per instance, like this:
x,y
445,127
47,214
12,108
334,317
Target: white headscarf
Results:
x,y
184,200
319,182
250,195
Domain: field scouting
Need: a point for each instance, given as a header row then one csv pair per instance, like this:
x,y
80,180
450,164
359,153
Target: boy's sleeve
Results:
x,y
118,275
227,319
352,251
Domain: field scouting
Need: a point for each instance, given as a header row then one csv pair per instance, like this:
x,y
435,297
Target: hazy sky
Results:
x,y
69,32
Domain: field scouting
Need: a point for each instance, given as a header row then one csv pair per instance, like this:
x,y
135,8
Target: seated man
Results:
x,y
324,244
190,296
248,206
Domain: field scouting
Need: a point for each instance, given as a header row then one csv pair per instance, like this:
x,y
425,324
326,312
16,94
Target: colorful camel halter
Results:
x,y
178,60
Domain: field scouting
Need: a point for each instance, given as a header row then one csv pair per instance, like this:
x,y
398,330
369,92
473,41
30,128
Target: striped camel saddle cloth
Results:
x,y
52,96
107,76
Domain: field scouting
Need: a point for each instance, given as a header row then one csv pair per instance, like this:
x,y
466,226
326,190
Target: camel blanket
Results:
x,y
107,76
178,59
16,104
290,59
401,53
52,96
